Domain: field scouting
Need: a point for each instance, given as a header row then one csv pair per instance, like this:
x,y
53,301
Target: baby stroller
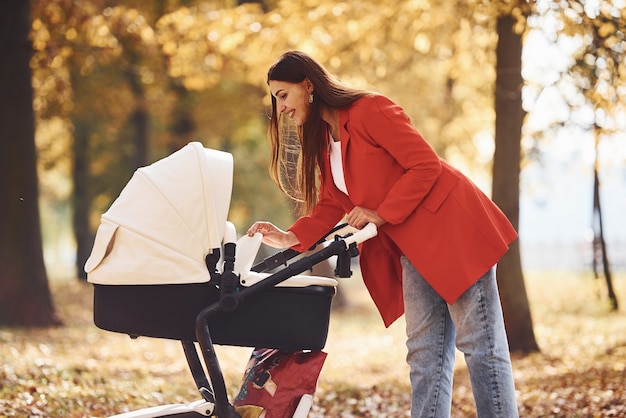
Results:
x,y
166,263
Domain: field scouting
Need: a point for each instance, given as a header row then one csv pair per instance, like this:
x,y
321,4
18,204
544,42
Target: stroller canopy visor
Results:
x,y
168,217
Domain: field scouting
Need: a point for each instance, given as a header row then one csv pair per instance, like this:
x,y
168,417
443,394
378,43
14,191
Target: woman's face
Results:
x,y
292,99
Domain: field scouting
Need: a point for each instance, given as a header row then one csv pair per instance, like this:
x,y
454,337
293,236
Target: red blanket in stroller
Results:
x,y
278,383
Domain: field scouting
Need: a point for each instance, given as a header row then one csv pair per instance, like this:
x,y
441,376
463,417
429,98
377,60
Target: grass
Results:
x,y
81,371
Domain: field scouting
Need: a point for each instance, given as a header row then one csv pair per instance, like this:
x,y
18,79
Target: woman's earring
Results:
x,y
311,98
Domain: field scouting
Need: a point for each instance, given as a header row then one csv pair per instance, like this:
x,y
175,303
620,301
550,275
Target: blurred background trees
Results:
x,y
118,85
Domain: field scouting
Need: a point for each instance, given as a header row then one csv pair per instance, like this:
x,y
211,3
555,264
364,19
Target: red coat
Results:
x,y
451,231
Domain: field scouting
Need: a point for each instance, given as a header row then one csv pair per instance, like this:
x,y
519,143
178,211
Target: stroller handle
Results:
x,y
360,235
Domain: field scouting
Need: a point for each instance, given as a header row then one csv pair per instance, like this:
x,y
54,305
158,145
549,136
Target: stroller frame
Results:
x,y
212,387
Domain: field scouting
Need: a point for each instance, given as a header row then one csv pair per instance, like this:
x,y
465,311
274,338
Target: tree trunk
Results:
x,y
81,198
599,244
506,173
25,298
183,125
140,118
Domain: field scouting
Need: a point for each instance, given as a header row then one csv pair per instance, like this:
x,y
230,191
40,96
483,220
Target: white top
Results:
x,y
336,166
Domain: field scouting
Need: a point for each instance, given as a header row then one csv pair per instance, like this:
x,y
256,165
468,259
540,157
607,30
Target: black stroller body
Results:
x,y
166,263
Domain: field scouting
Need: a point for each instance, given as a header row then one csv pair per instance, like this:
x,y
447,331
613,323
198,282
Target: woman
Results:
x,y
439,237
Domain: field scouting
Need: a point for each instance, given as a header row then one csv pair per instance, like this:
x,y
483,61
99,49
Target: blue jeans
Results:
x,y
474,323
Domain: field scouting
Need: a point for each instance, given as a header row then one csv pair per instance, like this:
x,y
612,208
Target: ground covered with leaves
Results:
x,y
81,371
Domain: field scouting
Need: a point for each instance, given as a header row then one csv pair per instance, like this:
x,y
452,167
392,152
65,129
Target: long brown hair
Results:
x,y
297,153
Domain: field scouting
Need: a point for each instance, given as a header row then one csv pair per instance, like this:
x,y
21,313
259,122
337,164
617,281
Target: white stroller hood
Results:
x,y
169,216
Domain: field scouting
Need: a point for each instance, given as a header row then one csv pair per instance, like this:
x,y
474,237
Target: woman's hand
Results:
x,y
359,217
274,236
